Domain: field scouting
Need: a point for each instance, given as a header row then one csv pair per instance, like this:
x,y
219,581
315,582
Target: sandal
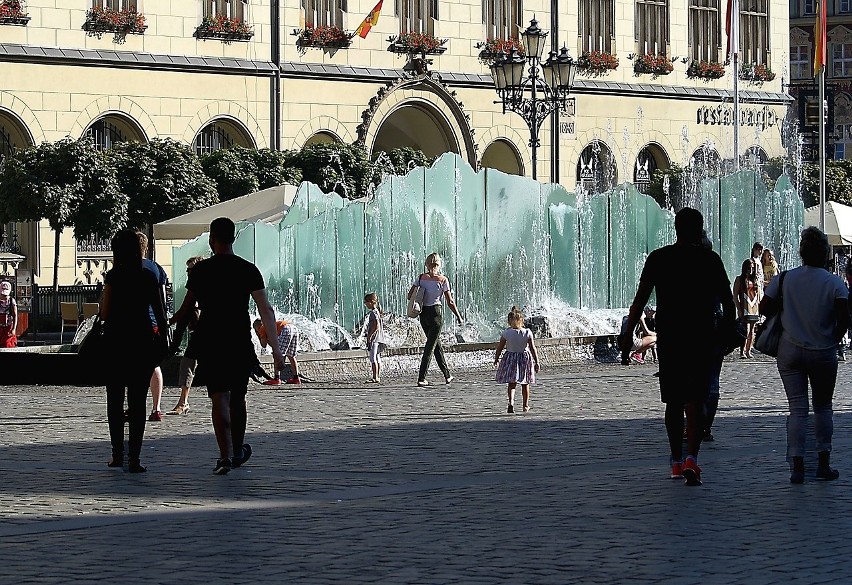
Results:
x,y
179,409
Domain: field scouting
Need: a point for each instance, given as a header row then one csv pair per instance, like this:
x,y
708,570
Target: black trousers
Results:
x,y
432,320
136,387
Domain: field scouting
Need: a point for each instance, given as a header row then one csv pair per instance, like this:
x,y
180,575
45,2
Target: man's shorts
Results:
x,y
288,341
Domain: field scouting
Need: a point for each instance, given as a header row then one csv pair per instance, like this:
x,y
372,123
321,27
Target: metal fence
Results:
x,y
43,298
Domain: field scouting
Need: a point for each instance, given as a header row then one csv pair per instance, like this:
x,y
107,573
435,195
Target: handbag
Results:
x,y
767,343
415,303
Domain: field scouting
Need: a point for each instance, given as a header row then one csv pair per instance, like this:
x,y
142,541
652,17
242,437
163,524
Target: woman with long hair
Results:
x,y
435,287
132,348
770,266
747,295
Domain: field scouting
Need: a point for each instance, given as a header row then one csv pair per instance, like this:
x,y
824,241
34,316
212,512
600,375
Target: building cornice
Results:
x,y
321,71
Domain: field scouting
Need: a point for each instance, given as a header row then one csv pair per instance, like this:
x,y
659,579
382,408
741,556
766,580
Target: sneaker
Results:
x,y
691,472
223,466
294,380
677,469
156,416
450,379
636,358
422,382
511,409
272,382
245,455
526,409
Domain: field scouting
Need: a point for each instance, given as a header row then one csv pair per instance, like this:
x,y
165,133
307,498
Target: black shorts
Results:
x,y
686,369
224,376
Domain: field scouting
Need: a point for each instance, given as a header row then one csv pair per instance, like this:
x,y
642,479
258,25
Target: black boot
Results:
x,y
797,470
824,471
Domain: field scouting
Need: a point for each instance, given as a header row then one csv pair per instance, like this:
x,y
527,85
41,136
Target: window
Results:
x,y
213,137
652,26
754,31
705,30
104,134
115,4
324,12
800,61
417,15
233,9
841,59
597,25
808,7
501,18
844,6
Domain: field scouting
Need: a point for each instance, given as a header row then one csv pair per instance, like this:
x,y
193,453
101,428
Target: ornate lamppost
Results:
x,y
549,83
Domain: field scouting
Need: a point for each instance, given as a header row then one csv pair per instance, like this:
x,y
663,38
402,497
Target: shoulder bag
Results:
x,y
767,343
415,303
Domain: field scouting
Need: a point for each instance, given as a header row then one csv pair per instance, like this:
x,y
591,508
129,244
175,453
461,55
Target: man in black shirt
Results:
x,y
686,324
222,286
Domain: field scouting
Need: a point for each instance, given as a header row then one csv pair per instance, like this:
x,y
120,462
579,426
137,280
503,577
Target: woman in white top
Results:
x,y
814,316
435,287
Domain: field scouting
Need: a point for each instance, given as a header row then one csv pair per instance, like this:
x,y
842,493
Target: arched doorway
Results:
x,y
705,162
503,156
322,137
417,125
596,169
754,158
650,158
222,133
113,128
14,135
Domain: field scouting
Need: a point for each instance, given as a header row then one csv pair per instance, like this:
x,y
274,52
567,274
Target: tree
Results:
x,y
238,171
162,179
69,184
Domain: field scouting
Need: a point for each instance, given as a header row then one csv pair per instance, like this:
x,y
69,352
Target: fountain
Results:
x,y
505,239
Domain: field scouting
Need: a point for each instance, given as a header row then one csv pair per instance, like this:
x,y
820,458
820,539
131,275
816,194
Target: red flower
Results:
x,y
415,42
597,63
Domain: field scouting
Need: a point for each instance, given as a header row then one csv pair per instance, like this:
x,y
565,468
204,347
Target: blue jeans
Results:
x,y
798,366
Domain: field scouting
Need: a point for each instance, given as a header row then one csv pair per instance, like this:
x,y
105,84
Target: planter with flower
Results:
x,y
490,50
414,43
705,70
596,63
120,23
756,73
222,28
654,65
323,37
13,12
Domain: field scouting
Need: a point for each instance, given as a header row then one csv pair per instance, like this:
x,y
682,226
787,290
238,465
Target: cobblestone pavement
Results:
x,y
399,484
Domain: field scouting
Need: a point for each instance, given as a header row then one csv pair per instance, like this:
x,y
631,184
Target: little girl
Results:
x,y
520,362
375,336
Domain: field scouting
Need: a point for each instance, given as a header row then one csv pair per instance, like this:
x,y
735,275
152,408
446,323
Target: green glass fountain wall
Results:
x,y
505,240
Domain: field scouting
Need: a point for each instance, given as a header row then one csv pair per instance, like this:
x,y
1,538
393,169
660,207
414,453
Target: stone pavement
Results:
x,y
398,484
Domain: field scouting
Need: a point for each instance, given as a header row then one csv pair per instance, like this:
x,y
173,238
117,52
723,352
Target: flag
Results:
x,y
733,33
820,38
369,22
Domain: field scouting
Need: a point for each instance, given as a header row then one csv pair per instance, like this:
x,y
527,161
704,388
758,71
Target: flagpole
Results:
x,y
822,148
735,46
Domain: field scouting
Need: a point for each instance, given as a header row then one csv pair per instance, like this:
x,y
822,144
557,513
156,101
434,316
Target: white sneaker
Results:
x,y
450,379
423,383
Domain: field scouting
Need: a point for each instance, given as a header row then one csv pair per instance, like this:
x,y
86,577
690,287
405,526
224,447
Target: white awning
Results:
x,y
268,205
838,222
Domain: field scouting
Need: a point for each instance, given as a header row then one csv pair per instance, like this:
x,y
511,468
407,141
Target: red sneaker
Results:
x,y
691,472
272,382
677,469
294,380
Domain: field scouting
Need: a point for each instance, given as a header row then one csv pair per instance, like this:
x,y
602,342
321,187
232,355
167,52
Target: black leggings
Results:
x,y
432,319
137,395
694,425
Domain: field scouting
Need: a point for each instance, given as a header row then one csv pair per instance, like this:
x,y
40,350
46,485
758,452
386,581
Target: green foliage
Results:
x,y
239,171
667,186
162,179
401,160
343,168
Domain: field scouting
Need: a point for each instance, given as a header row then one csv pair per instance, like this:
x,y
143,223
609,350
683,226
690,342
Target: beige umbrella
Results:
x,y
838,222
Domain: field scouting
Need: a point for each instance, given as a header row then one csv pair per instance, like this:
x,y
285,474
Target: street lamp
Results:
x,y
549,83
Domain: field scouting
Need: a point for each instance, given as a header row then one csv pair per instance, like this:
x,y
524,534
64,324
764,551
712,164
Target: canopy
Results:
x,y
838,222
268,205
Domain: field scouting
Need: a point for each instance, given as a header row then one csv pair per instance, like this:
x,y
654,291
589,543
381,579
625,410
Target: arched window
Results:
x,y
596,169
706,162
221,133
649,159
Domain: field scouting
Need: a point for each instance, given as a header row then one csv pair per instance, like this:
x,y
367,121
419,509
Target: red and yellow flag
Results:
x,y
371,21
820,53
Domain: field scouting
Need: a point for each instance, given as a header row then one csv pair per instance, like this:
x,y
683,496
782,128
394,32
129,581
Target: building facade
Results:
x,y
215,73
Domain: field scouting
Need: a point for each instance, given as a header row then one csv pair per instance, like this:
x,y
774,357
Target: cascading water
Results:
x,y
505,240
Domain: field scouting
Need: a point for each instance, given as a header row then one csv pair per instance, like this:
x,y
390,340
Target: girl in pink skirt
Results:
x,y
520,362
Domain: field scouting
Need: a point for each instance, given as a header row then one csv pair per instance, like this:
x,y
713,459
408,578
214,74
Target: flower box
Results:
x,y
224,29
327,37
491,49
12,12
756,73
597,63
413,43
100,20
705,70
655,65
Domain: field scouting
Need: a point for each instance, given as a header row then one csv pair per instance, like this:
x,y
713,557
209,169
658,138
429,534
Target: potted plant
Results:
x,y
322,36
597,63
491,49
223,28
414,42
13,12
654,65
705,70
756,72
100,20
